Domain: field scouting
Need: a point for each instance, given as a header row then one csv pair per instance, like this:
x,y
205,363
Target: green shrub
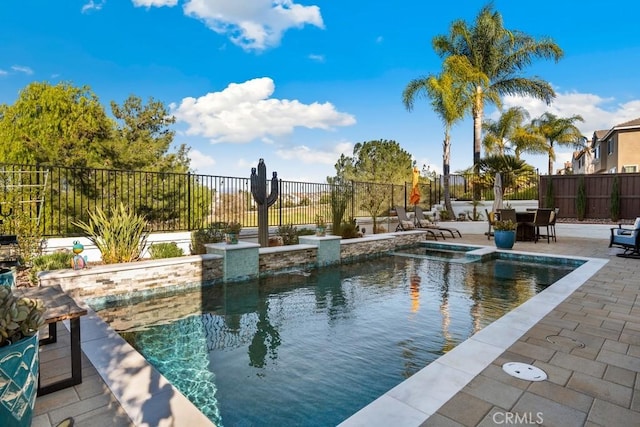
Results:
x,y
305,232
615,200
165,250
444,215
48,262
349,229
120,236
289,234
581,199
549,200
213,233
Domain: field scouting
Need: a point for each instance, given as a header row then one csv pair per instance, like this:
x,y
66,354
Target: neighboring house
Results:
x,y
617,150
567,169
582,161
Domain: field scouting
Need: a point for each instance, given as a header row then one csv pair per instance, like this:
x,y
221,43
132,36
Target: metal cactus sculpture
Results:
x,y
259,191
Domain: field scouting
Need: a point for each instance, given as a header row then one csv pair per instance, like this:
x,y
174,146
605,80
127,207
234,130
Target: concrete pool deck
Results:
x,y
593,385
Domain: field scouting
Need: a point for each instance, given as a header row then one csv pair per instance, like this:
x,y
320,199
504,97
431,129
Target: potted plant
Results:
x,y
504,232
231,232
321,226
20,319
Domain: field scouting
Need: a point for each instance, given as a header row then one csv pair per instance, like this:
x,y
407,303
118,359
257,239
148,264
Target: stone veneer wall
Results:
x,y
121,279
378,244
353,249
116,280
280,258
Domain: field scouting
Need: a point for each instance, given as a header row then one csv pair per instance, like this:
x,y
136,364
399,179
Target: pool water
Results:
x,y
312,348
436,254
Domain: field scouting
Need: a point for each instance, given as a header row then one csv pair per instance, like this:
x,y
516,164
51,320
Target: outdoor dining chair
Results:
x,y
541,219
491,219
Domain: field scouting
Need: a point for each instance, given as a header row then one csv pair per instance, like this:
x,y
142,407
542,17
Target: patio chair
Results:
x,y
628,239
491,218
405,223
542,219
552,223
8,250
424,222
508,214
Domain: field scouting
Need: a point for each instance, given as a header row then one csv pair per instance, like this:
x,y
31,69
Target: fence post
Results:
x,y
353,199
189,201
280,208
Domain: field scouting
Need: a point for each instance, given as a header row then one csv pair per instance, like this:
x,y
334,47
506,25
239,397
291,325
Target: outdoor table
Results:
x,y
526,231
59,306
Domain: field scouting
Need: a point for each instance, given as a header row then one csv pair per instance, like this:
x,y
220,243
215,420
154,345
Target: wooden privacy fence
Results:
x,y
598,188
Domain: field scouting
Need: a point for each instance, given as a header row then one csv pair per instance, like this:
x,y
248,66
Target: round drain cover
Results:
x,y
524,371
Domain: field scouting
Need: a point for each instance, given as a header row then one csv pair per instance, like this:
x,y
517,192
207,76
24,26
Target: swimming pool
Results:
x,y
311,348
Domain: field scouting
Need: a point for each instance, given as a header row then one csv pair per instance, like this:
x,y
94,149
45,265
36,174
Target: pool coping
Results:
x,y
149,399
413,401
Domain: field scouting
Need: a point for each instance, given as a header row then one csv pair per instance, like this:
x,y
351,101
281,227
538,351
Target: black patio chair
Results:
x,y
542,219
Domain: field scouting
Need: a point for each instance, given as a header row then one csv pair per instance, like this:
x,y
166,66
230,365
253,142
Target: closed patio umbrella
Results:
x,y
497,193
414,199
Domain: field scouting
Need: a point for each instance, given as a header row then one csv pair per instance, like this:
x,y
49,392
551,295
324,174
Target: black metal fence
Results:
x,y
59,197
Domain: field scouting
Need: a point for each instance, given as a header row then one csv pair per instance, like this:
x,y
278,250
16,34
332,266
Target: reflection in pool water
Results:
x,y
311,348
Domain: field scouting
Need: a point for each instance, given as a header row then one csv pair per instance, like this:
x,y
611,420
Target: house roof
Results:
x,y
600,133
631,124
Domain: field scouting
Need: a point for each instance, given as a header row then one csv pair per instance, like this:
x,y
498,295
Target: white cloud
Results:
x,y
307,155
3,73
317,58
92,5
251,24
154,3
243,112
242,164
598,113
22,69
200,161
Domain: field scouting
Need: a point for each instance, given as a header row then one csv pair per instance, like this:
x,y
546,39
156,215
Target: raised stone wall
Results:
x,y
116,280
366,246
122,279
409,238
287,257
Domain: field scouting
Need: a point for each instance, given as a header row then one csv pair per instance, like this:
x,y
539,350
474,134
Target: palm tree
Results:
x,y
509,133
450,99
558,130
513,171
500,56
500,133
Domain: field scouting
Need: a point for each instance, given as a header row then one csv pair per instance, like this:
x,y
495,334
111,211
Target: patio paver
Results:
x,y
595,385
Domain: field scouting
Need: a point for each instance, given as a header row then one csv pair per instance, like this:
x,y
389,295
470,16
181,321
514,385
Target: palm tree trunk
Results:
x,y
477,127
446,161
552,155
477,141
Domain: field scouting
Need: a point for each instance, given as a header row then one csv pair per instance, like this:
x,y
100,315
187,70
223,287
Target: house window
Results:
x,y
612,170
630,169
596,153
610,146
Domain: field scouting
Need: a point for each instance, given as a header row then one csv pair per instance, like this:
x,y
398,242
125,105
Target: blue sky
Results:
x,y
298,82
